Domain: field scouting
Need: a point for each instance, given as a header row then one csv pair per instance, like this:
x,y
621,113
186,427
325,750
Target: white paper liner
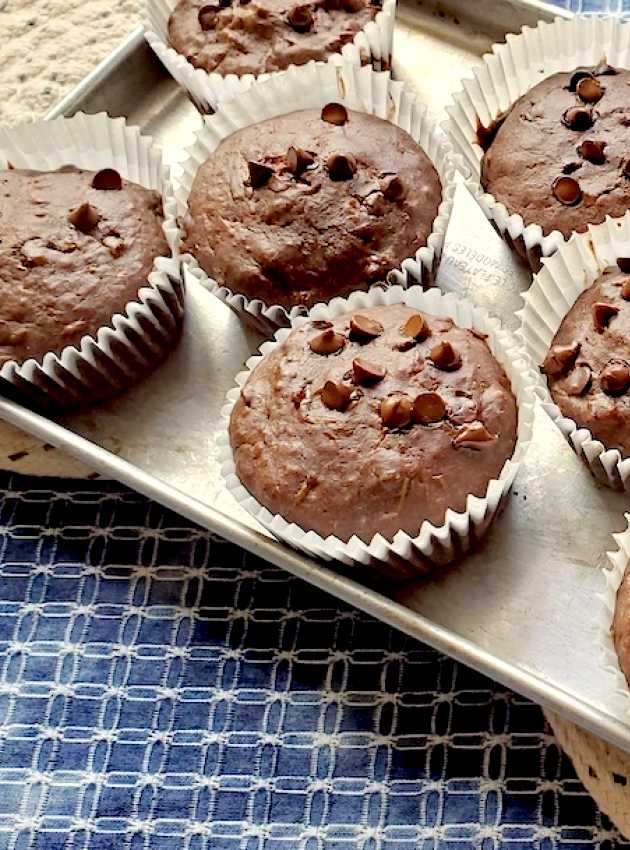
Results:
x,y
613,577
139,338
361,89
505,75
405,556
371,46
571,270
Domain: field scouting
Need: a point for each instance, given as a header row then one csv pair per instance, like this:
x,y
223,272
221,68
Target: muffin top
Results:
x,y
588,364
258,36
566,141
621,626
373,422
75,247
309,205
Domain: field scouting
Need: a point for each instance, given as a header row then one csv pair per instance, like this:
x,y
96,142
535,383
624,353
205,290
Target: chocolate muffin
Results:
x,y
560,156
373,422
309,205
258,36
621,625
75,248
588,364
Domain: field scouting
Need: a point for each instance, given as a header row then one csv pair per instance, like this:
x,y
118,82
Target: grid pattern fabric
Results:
x,y
161,689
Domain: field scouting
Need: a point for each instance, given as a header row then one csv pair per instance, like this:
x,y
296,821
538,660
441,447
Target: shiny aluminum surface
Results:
x,y
524,608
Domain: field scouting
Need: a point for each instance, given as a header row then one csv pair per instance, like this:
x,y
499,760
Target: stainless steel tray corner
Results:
x,y
522,609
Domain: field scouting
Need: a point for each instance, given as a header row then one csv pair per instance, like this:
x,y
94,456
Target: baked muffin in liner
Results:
x,y
139,338
570,271
360,89
614,617
507,73
404,556
371,46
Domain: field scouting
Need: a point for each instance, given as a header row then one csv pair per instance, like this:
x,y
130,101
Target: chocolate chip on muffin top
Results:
x,y
75,247
566,139
259,36
588,363
373,422
309,205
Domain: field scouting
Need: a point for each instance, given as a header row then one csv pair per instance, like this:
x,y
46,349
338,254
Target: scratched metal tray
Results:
x,y
523,608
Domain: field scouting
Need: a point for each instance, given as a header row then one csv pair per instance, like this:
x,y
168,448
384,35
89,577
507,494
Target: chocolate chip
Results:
x,y
603,69
473,436
335,113
362,327
625,291
593,151
428,408
327,342
107,179
560,359
577,76
352,5
567,191
300,18
445,357
578,381
396,411
84,218
614,378
377,3
416,327
602,315
624,264
392,187
298,160
336,396
225,4
341,166
259,174
626,168
367,373
571,167
589,90
578,118
320,324
207,16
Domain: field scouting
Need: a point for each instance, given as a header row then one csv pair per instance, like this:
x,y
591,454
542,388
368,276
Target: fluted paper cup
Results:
x,y
361,89
404,556
504,76
371,46
564,276
138,339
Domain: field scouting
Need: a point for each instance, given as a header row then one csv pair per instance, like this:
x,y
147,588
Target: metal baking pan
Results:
x,y
523,609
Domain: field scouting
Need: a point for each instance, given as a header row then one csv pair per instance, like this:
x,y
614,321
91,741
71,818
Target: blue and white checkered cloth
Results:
x,y
160,689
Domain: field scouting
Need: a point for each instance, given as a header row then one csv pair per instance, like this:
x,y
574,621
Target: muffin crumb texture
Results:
x,y
309,205
373,422
260,36
567,140
588,363
75,248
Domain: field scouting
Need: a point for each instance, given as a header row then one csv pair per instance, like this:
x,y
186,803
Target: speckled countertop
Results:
x,y
49,45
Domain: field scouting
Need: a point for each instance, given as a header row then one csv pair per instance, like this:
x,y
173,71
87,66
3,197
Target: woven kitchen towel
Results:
x,y
160,689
